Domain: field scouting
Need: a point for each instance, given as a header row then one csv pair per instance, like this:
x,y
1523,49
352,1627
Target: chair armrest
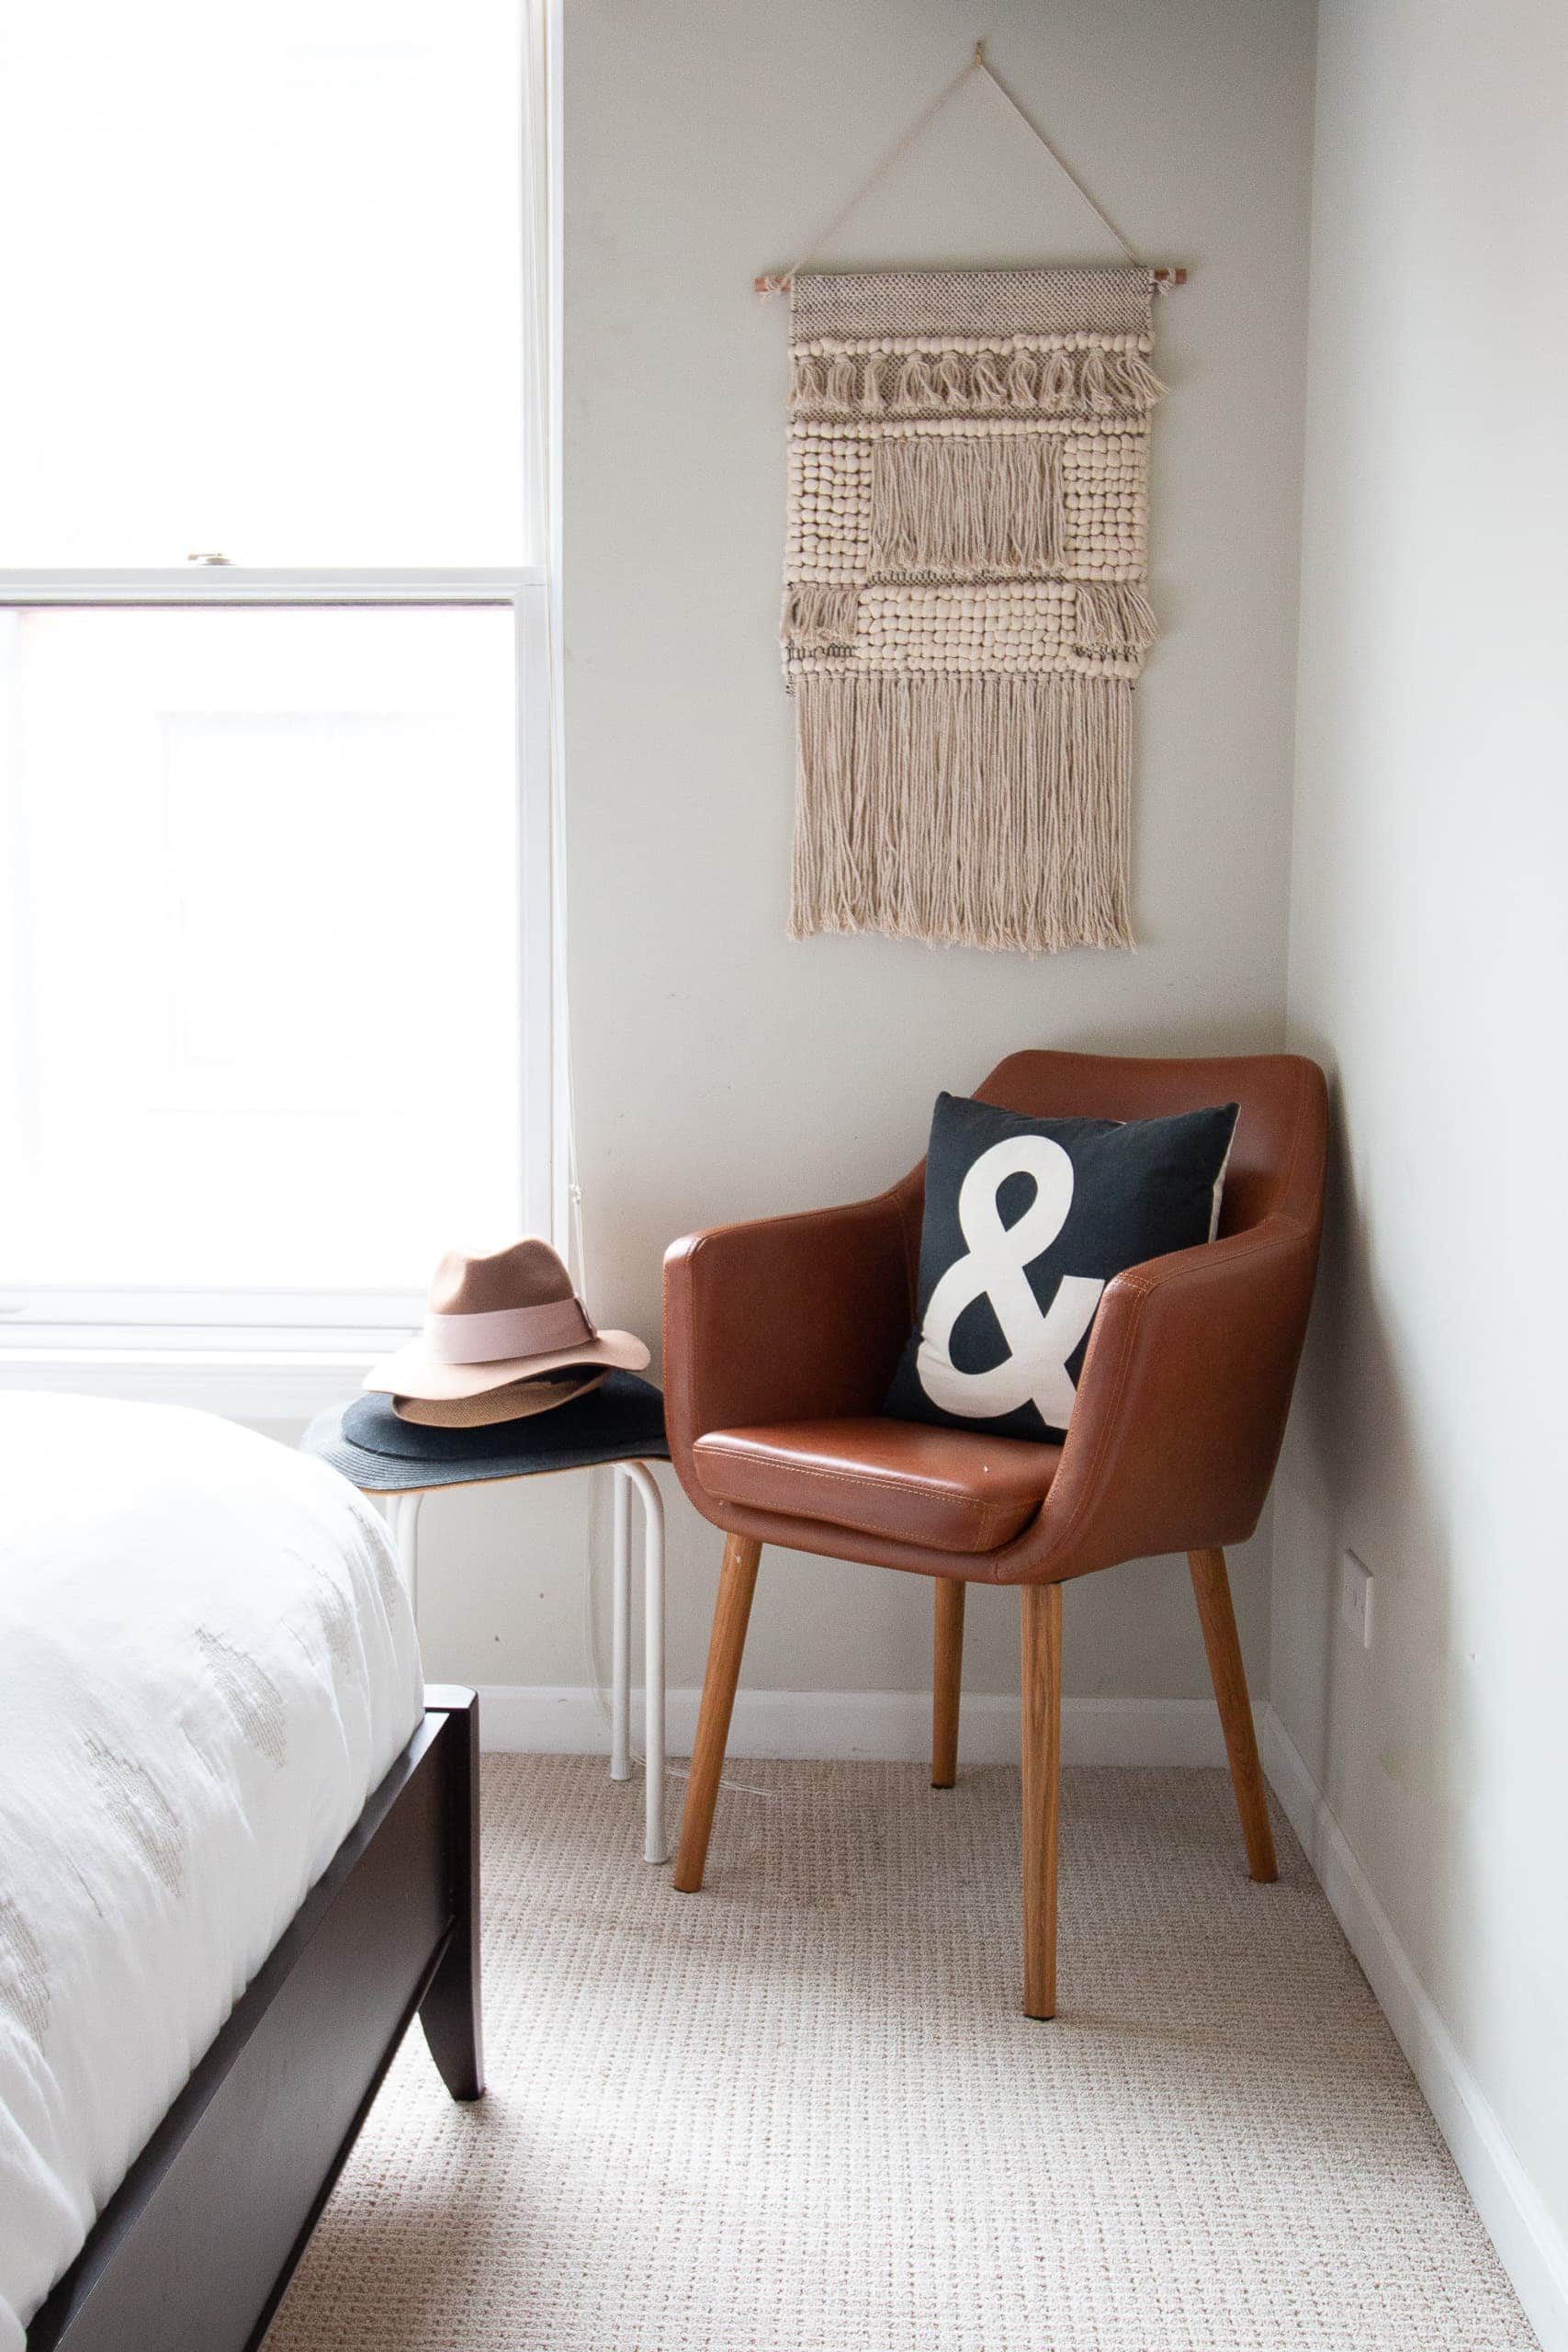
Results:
x,y
1182,1406
783,1320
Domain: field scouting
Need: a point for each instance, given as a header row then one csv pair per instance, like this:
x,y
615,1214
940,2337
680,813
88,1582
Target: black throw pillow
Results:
x,y
1026,1221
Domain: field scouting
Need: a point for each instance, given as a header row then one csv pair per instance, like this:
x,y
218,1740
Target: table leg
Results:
x,y
621,1634
402,1522
638,1475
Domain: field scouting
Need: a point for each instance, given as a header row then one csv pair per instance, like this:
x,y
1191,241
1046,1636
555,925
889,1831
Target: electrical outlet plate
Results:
x,y
1356,1598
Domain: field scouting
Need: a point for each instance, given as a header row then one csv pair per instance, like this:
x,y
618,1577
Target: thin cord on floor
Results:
x,y
599,1682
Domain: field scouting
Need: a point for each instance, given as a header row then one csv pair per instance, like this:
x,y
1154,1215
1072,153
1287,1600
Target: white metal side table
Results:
x,y
618,1426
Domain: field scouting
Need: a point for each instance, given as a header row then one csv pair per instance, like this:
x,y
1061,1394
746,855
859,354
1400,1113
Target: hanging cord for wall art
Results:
x,y
977,63
778,282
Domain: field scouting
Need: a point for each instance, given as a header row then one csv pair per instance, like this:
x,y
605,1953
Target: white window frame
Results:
x,y
308,1349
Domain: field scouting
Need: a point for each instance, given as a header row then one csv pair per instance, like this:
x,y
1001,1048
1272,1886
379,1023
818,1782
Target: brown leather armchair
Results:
x,y
781,1337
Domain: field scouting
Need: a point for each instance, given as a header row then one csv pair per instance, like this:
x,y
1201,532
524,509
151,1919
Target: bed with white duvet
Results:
x,y
206,1664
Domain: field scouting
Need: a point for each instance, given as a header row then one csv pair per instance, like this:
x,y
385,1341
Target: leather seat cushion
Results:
x,y
947,1489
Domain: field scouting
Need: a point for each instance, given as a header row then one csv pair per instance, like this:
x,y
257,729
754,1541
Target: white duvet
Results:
x,y
207,1663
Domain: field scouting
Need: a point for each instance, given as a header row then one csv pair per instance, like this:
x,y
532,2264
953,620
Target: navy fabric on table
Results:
x,y
620,1420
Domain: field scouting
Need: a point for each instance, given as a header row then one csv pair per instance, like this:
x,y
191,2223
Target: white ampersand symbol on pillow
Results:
x,y
1039,1345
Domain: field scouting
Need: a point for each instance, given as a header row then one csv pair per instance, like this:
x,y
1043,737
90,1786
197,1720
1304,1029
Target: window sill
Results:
x,y
248,1384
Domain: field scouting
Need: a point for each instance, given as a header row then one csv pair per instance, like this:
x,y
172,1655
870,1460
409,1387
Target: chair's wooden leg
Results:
x,y
731,1612
946,1680
1042,1630
1211,1586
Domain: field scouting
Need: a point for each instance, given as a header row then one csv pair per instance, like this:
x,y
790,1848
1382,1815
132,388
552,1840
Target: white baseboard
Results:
x,y
880,1726
1530,2246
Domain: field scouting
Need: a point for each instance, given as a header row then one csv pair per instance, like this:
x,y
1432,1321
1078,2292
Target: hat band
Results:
x,y
506,1331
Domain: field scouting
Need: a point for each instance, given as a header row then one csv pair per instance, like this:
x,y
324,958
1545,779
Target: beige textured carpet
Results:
x,y
802,2111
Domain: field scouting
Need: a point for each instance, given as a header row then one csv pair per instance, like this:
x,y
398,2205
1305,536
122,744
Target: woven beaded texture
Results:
x,y
965,603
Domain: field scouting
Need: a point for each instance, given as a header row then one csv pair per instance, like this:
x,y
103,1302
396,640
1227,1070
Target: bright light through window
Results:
x,y
274,1027
261,281
260,1011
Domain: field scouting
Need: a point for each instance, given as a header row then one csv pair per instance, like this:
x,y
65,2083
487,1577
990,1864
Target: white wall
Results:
x,y
1429,970
720,1070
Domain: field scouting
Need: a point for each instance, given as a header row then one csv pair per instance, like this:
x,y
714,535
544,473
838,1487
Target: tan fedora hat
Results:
x,y
497,1318
518,1401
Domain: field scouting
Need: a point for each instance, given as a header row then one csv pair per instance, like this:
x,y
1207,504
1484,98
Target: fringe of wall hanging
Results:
x,y
964,600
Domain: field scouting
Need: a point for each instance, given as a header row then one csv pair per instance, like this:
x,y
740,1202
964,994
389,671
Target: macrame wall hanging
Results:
x,y
964,593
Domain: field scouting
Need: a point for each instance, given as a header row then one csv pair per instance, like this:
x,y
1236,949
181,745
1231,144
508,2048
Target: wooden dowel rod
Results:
x,y
770,284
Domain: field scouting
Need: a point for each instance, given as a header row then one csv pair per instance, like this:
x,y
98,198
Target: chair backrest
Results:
x,y
1277,1161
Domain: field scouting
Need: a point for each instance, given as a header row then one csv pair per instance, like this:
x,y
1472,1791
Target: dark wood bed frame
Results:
x,y
194,2249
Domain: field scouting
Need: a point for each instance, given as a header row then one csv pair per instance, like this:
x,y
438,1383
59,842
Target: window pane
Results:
x,y
260,1023
262,282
